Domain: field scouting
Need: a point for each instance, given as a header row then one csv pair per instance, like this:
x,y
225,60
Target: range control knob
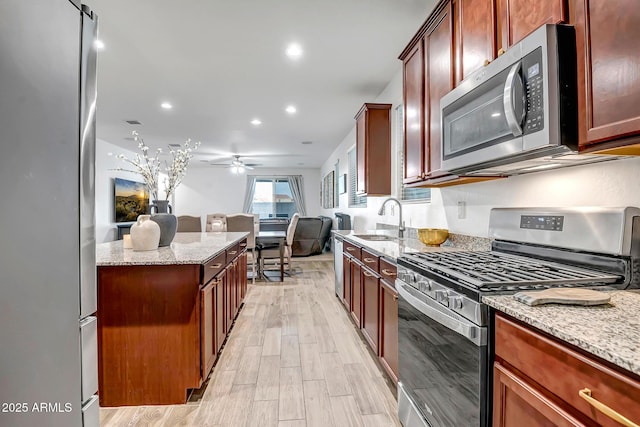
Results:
x,y
424,286
442,297
455,303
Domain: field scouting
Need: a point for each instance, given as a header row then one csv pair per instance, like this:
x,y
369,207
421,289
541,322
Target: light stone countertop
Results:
x,y
392,249
186,248
611,332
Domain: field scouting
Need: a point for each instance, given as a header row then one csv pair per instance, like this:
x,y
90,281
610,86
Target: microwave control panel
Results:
x,y
532,71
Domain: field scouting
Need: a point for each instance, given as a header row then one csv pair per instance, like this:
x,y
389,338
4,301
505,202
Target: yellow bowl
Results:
x,y
432,236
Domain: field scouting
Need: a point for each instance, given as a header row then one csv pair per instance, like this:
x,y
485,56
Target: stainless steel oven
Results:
x,y
442,362
444,329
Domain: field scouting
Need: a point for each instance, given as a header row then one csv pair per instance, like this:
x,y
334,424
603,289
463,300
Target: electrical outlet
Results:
x,y
462,210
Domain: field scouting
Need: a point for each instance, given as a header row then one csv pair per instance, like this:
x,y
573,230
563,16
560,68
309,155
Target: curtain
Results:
x,y
296,184
248,194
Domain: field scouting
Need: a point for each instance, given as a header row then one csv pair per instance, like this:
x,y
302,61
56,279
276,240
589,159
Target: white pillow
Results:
x,y
217,225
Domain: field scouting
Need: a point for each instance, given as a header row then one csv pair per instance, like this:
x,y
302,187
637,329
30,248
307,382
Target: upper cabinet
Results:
x,y
607,36
518,18
475,36
414,150
373,149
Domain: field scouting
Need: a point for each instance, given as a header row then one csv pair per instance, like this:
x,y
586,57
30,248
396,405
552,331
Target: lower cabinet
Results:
x,y
208,349
372,302
540,381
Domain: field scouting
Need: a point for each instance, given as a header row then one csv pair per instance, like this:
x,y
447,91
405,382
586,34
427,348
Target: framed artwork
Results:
x,y
328,190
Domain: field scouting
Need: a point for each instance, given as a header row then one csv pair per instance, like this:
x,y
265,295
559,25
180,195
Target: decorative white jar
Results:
x,y
145,234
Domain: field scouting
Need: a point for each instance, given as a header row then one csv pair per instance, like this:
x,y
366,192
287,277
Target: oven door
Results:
x,y
442,364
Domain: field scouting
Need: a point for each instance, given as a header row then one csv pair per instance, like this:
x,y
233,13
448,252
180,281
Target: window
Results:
x,y
273,198
406,193
354,199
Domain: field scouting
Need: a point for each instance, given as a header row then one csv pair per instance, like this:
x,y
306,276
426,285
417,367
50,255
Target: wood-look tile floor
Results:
x,y
293,358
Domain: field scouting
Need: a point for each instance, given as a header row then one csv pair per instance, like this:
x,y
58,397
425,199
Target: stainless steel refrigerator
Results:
x,y
48,339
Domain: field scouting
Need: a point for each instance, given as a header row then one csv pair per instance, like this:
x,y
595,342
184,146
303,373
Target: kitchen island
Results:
x,y
164,314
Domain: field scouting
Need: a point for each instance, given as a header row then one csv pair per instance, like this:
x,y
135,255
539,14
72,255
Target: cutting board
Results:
x,y
571,296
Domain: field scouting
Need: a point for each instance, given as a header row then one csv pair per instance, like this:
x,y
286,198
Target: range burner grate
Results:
x,y
499,270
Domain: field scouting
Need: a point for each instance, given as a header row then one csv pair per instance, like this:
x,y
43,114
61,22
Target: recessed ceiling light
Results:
x,y
294,51
291,109
256,122
166,106
306,142
99,44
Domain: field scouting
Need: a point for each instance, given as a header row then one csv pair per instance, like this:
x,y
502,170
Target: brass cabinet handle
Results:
x,y
419,176
351,249
366,273
500,52
585,393
395,297
233,252
388,272
243,244
486,62
218,265
369,260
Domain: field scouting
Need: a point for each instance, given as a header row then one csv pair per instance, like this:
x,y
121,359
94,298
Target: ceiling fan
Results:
x,y
237,165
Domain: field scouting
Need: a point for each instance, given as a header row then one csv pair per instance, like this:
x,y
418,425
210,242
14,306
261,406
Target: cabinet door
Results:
x,y
389,329
607,35
356,292
518,18
361,134
346,279
518,403
220,313
475,35
413,87
439,81
370,309
207,329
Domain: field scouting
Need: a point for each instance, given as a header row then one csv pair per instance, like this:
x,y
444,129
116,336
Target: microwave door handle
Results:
x,y
511,86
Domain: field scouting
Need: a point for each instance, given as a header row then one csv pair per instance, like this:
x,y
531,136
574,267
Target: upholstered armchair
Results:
x,y
189,223
216,222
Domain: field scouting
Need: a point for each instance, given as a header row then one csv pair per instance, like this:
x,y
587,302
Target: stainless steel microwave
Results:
x,y
518,113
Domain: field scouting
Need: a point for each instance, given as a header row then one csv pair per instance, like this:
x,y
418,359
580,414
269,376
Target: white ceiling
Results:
x,y
221,63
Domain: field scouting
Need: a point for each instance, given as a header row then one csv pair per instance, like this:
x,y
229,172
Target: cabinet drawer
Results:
x,y
353,250
388,271
213,267
370,260
233,252
564,372
242,246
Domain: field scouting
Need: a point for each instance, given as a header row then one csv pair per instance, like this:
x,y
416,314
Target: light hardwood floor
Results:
x,y
293,358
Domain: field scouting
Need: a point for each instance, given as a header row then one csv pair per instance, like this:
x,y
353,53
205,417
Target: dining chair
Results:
x,y
245,222
216,222
274,252
189,223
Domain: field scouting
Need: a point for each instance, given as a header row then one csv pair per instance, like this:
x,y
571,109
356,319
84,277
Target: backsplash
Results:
x,y
464,242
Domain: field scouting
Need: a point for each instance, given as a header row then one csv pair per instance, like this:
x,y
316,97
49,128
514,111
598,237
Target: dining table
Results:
x,y
273,237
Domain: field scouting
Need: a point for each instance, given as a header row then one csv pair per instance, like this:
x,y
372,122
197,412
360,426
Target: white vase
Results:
x,y
145,234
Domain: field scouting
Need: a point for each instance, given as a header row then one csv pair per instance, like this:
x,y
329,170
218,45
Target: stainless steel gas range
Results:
x,y
445,331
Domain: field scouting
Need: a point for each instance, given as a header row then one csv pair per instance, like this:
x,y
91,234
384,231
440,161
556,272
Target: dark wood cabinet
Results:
x,y
346,279
356,292
538,378
373,150
414,115
438,48
517,18
475,36
607,37
388,349
207,328
370,307
220,313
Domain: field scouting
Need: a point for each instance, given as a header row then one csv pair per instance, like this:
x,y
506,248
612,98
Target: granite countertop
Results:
x,y
392,249
611,332
186,248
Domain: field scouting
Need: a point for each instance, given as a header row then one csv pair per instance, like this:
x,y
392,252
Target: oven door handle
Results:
x,y
432,309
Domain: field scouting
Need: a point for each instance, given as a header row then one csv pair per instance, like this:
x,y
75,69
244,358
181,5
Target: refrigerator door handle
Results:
x,y
88,296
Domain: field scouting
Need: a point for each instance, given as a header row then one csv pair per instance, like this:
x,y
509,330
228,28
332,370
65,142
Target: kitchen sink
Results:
x,y
375,237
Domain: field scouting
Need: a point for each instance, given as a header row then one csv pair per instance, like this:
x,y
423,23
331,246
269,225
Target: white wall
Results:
x,y
203,190
615,183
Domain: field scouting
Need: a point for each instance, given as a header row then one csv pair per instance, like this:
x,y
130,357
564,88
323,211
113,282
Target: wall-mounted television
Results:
x,y
131,198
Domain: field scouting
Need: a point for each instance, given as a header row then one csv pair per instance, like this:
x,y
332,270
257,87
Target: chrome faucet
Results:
x,y
400,221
